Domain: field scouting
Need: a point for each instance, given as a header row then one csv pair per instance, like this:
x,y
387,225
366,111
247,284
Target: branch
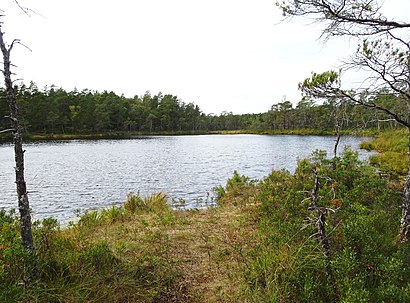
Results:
x,y
12,119
381,120
375,106
347,17
399,39
25,46
25,10
12,44
327,86
6,130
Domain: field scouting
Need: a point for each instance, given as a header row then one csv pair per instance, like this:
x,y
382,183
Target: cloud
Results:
x,y
232,55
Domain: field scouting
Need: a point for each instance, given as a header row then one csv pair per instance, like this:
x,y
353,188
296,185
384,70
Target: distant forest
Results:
x,y
54,110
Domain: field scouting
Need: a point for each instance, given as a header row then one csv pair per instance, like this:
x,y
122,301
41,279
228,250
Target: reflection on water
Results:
x,y
77,175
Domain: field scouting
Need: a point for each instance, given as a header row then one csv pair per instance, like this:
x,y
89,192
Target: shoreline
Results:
x,y
134,135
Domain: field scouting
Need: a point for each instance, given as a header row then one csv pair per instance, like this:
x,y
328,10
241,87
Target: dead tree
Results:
x,y
16,128
338,120
321,233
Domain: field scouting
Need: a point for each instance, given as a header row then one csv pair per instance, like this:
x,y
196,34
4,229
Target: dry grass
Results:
x,y
206,248
211,252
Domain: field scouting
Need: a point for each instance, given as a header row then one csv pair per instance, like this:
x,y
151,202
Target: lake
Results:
x,y
66,176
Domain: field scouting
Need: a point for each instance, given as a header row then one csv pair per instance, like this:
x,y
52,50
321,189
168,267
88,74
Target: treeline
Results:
x,y
54,110
309,115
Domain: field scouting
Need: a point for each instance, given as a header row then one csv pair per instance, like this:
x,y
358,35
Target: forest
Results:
x,y
53,110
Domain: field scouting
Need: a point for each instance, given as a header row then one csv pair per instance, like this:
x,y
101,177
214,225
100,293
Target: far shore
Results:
x,y
135,134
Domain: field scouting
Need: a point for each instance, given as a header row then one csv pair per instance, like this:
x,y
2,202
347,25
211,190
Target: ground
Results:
x,y
211,252
207,249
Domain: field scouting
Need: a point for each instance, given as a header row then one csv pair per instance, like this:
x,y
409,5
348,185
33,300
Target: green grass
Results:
x,y
393,141
392,152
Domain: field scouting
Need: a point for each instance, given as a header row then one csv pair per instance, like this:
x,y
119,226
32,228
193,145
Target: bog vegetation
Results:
x,y
260,243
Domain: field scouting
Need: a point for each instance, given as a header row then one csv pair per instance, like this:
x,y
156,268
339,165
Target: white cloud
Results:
x,y
221,54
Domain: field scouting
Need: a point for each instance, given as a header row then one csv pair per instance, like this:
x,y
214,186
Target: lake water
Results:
x,y
78,175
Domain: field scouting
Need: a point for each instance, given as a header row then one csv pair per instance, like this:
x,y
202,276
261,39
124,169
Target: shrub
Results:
x,y
154,203
133,203
238,190
288,265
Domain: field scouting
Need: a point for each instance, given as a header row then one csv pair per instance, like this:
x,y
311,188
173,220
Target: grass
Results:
x,y
142,251
392,150
393,141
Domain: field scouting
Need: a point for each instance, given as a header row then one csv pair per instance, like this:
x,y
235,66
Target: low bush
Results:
x,y
362,223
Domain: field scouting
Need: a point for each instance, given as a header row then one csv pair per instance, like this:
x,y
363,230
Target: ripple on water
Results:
x,y
78,175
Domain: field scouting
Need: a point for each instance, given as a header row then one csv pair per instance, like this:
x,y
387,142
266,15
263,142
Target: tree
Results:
x,y
304,113
16,128
384,51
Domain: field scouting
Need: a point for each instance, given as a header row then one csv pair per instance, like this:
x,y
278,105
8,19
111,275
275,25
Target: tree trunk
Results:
x,y
321,231
405,207
338,135
23,203
405,218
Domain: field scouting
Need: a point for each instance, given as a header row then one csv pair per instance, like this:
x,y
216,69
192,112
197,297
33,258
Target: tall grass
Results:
x,y
90,262
392,150
394,141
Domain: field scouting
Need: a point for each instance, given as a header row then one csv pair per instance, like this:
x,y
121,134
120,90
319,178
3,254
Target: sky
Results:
x,y
223,55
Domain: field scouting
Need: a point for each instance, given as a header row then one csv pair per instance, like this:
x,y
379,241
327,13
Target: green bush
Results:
x,y
238,190
362,216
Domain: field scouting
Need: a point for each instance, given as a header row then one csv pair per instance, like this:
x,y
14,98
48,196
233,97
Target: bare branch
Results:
x,y
321,232
6,130
24,45
381,120
12,44
394,115
24,9
399,39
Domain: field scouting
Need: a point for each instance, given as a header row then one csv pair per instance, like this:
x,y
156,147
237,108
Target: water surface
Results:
x,y
78,175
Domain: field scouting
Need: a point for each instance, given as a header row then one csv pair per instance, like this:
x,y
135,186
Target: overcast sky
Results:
x,y
224,55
